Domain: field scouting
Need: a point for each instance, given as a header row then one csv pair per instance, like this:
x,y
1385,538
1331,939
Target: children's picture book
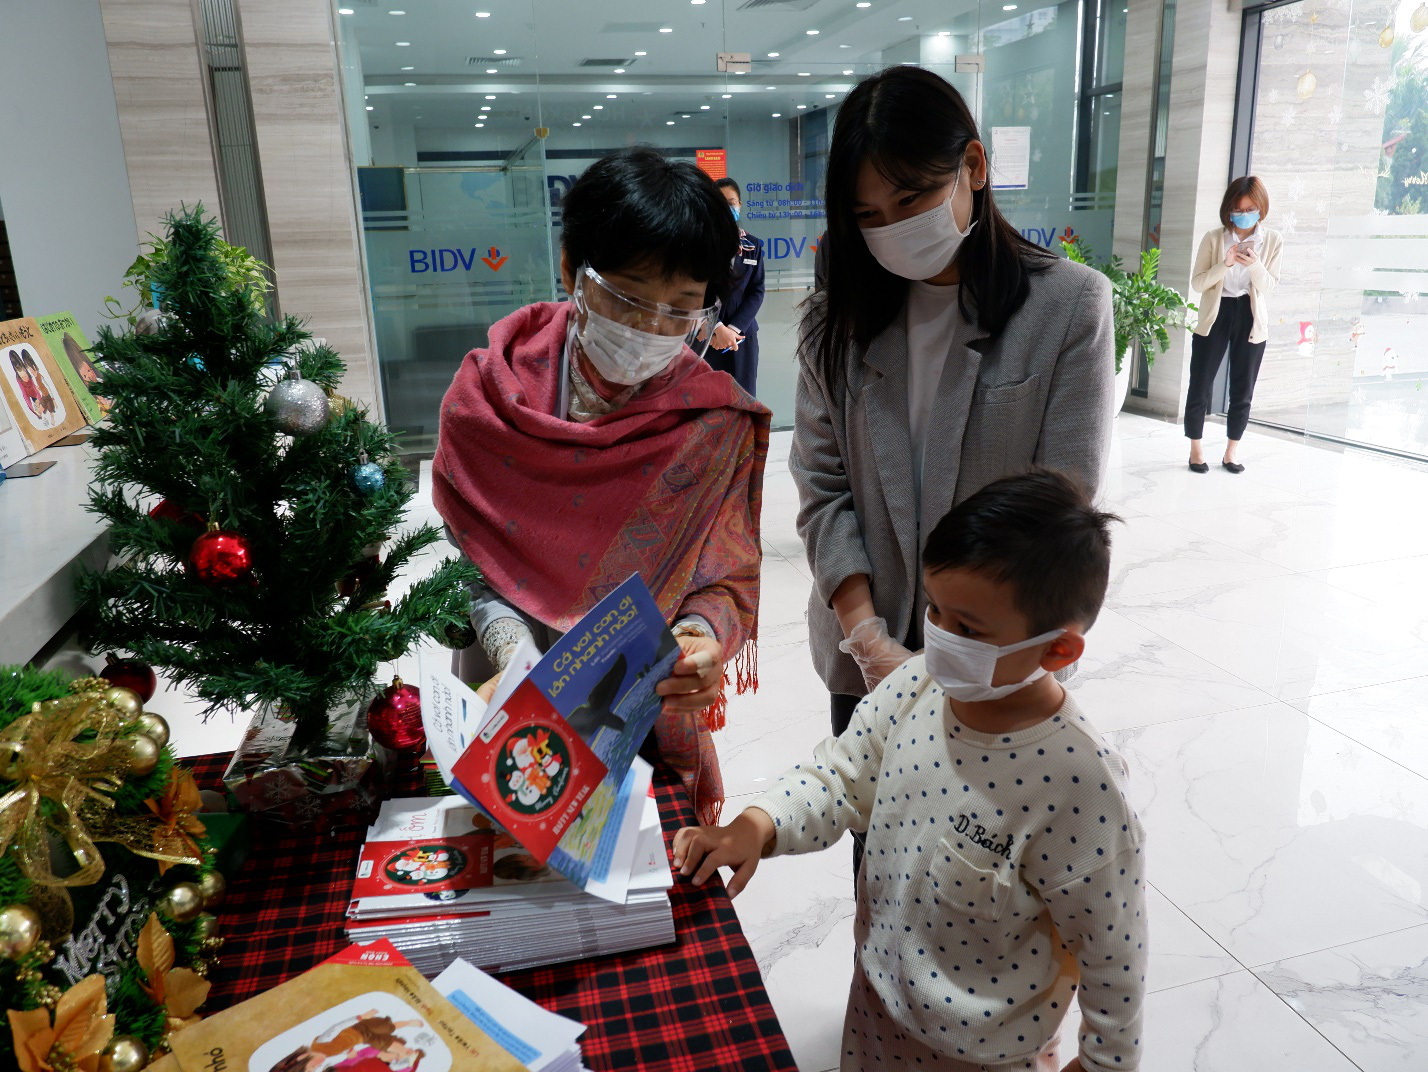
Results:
x,y
12,447
365,1010
41,405
579,714
70,349
423,846
545,1041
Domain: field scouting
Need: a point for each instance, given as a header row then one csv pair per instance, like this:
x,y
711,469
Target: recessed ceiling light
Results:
x,y
491,70
498,52
485,107
396,12
403,44
849,71
409,68
408,83
490,96
669,122
811,33
773,55
944,33
345,11
641,53
776,115
684,117
369,107
619,70
704,107
804,74
741,72
575,124
483,14
771,87
598,108
845,46
726,96
862,3
802,106
1008,7
609,96
480,125
666,29
904,18
829,96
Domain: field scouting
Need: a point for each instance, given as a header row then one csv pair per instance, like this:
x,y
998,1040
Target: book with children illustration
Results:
x,y
41,405
548,759
70,349
365,1010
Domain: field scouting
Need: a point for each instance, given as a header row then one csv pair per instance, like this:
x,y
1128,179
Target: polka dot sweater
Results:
x,y
1001,874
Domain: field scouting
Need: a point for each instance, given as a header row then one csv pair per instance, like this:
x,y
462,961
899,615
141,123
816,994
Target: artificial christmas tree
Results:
x,y
224,417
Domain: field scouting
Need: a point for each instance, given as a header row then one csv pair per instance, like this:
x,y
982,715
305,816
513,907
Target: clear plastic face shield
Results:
x,y
629,340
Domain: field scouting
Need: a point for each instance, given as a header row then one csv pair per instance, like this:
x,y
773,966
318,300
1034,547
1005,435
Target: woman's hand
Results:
x,y
740,846
725,338
1247,254
1232,256
488,690
695,680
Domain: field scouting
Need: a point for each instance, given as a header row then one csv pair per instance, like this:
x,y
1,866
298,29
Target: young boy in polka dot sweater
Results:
x,y
1003,872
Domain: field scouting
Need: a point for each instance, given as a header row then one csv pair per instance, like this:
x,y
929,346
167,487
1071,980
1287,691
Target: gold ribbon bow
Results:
x,y
67,759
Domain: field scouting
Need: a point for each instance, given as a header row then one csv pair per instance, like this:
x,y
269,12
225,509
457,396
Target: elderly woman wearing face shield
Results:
x,y
588,440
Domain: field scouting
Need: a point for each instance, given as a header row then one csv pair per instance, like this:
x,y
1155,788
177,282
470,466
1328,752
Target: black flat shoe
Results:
x,y
1199,467
1233,467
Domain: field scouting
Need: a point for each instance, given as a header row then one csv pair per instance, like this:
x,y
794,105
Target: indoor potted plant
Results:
x,y
1145,310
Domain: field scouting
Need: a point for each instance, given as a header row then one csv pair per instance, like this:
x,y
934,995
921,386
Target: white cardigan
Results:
x,y
1209,278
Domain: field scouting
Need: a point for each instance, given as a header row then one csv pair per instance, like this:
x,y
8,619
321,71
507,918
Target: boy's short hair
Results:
x,y
1039,533
727,183
636,206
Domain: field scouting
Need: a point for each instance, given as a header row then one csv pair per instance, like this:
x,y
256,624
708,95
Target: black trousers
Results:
x,y
742,364
1229,332
843,707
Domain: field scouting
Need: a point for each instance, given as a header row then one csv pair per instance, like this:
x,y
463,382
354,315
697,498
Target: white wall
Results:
x,y
65,187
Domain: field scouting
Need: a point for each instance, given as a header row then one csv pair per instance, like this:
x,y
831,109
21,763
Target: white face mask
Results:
x,y
964,667
625,355
919,247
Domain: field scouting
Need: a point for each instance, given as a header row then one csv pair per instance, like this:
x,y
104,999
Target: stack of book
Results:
x,y
441,881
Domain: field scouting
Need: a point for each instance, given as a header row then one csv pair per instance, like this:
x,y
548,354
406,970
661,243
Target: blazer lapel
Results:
x,y
885,404
947,427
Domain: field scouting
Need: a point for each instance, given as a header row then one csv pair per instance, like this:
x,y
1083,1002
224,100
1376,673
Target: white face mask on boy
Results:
x,y
921,246
965,667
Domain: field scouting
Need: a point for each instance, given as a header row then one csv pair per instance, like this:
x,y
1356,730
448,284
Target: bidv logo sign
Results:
x,y
778,249
452,260
1044,236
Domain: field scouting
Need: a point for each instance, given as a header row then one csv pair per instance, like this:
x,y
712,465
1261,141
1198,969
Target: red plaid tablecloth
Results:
x,y
697,1004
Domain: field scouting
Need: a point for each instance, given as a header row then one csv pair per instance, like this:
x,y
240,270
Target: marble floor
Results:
x,y
1263,665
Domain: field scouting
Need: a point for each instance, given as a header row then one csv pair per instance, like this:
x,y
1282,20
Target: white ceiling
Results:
x,y
540,79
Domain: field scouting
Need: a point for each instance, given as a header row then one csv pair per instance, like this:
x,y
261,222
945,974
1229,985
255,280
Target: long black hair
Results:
x,y
915,129
636,206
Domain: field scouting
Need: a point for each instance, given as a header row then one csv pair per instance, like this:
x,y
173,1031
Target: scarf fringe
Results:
x,y
746,679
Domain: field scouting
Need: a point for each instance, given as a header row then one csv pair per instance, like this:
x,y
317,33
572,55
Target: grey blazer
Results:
x,y
1040,394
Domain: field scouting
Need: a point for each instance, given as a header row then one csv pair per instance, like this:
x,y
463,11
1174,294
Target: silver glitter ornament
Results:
x,y
297,406
150,322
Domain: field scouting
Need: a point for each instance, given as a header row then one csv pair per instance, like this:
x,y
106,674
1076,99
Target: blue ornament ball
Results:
x,y
196,363
368,478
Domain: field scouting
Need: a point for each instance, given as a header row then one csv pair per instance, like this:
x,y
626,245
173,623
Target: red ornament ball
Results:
x,y
395,718
131,674
167,511
221,558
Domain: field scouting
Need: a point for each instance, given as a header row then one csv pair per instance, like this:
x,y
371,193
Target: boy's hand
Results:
x,y
739,846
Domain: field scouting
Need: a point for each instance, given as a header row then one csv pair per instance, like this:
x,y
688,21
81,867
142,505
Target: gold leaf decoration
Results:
x,y
77,1037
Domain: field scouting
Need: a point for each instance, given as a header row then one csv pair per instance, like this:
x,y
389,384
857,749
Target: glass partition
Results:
x,y
473,119
1345,360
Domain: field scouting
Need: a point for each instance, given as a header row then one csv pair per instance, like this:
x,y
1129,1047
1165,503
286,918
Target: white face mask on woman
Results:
x,y
965,667
921,246
625,355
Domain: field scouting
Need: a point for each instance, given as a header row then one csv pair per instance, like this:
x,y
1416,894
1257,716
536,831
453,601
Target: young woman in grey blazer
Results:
x,y
945,352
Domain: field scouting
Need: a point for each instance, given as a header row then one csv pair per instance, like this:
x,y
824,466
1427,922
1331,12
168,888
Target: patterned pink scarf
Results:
x,y
556,514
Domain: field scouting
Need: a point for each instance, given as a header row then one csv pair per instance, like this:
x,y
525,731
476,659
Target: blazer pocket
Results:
x,y
967,889
1007,392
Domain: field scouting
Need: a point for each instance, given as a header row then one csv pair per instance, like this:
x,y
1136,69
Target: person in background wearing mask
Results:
x,y
1236,266
735,346
945,352
588,440
1004,871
